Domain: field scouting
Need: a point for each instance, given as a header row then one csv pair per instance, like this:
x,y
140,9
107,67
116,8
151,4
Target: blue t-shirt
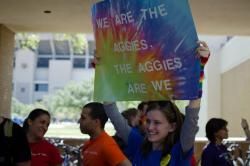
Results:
x,y
215,155
154,157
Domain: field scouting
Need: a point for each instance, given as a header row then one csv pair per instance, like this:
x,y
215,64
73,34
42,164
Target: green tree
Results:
x,y
19,109
78,42
27,40
31,41
68,102
181,104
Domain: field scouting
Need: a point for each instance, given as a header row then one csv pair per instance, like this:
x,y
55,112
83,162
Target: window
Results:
x,y
62,58
90,63
44,48
62,47
24,65
41,87
79,63
22,89
91,45
43,62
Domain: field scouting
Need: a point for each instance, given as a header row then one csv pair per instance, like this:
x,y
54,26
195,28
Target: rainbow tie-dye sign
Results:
x,y
147,50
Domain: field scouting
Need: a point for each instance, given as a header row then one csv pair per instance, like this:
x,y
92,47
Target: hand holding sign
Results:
x,y
203,49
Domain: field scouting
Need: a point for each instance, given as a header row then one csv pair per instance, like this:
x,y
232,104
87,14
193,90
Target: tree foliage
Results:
x,y
78,42
19,109
31,41
181,104
68,102
28,40
65,104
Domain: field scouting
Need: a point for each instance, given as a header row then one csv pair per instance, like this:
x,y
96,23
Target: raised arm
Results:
x,y
245,128
190,125
121,126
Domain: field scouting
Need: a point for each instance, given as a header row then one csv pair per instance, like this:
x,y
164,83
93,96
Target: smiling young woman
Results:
x,y
42,152
169,136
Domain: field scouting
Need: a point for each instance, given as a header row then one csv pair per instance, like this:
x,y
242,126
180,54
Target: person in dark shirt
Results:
x,y
14,145
215,153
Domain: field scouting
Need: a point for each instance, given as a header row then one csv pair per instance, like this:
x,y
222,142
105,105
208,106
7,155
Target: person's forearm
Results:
x,y
194,103
190,125
120,124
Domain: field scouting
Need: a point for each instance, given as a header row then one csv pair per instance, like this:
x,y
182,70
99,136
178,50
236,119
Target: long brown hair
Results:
x,y
173,115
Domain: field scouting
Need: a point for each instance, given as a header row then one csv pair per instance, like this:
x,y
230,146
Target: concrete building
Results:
x,y
50,67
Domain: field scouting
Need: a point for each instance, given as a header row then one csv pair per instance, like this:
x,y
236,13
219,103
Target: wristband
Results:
x,y
203,61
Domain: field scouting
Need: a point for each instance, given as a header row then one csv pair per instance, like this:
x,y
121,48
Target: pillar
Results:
x,y
6,69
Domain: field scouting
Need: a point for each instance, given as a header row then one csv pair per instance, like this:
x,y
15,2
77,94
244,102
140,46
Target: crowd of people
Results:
x,y
155,133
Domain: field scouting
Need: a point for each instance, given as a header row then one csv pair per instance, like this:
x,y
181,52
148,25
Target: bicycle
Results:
x,y
247,161
233,148
71,155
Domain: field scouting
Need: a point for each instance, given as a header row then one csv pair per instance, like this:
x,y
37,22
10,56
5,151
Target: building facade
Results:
x,y
50,67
